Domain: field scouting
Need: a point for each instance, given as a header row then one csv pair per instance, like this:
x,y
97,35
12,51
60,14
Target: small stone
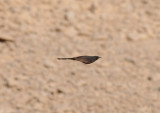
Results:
x,y
92,8
48,64
130,60
59,91
149,78
69,15
5,39
58,29
135,36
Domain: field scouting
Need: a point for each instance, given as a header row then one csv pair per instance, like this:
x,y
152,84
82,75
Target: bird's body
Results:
x,y
83,59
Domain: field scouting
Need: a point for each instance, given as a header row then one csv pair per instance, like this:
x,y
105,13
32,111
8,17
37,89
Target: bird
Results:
x,y
83,59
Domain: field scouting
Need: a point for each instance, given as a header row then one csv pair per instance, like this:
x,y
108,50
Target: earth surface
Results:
x,y
125,33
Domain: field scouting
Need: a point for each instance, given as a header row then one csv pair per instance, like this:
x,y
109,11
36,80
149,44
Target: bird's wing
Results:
x,y
83,59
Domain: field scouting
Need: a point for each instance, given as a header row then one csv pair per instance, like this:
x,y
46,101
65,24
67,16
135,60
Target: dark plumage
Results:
x,y
83,59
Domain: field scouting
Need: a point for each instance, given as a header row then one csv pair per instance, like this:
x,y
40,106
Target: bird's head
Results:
x,y
97,57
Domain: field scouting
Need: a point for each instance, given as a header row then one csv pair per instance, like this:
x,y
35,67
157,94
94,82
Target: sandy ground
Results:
x,y
125,33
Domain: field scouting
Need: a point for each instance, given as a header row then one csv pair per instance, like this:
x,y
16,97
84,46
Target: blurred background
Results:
x,y
125,33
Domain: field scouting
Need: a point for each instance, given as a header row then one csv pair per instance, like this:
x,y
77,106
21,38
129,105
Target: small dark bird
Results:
x,y
83,59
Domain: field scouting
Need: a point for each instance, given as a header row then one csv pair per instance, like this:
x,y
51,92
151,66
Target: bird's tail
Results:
x,y
66,58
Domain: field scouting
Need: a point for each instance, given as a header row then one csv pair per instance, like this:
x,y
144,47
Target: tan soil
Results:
x,y
125,33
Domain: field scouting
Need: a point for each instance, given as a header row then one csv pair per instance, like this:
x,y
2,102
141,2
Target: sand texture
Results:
x,y
34,33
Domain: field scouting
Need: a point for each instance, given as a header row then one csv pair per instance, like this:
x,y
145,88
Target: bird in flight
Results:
x,y
83,59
